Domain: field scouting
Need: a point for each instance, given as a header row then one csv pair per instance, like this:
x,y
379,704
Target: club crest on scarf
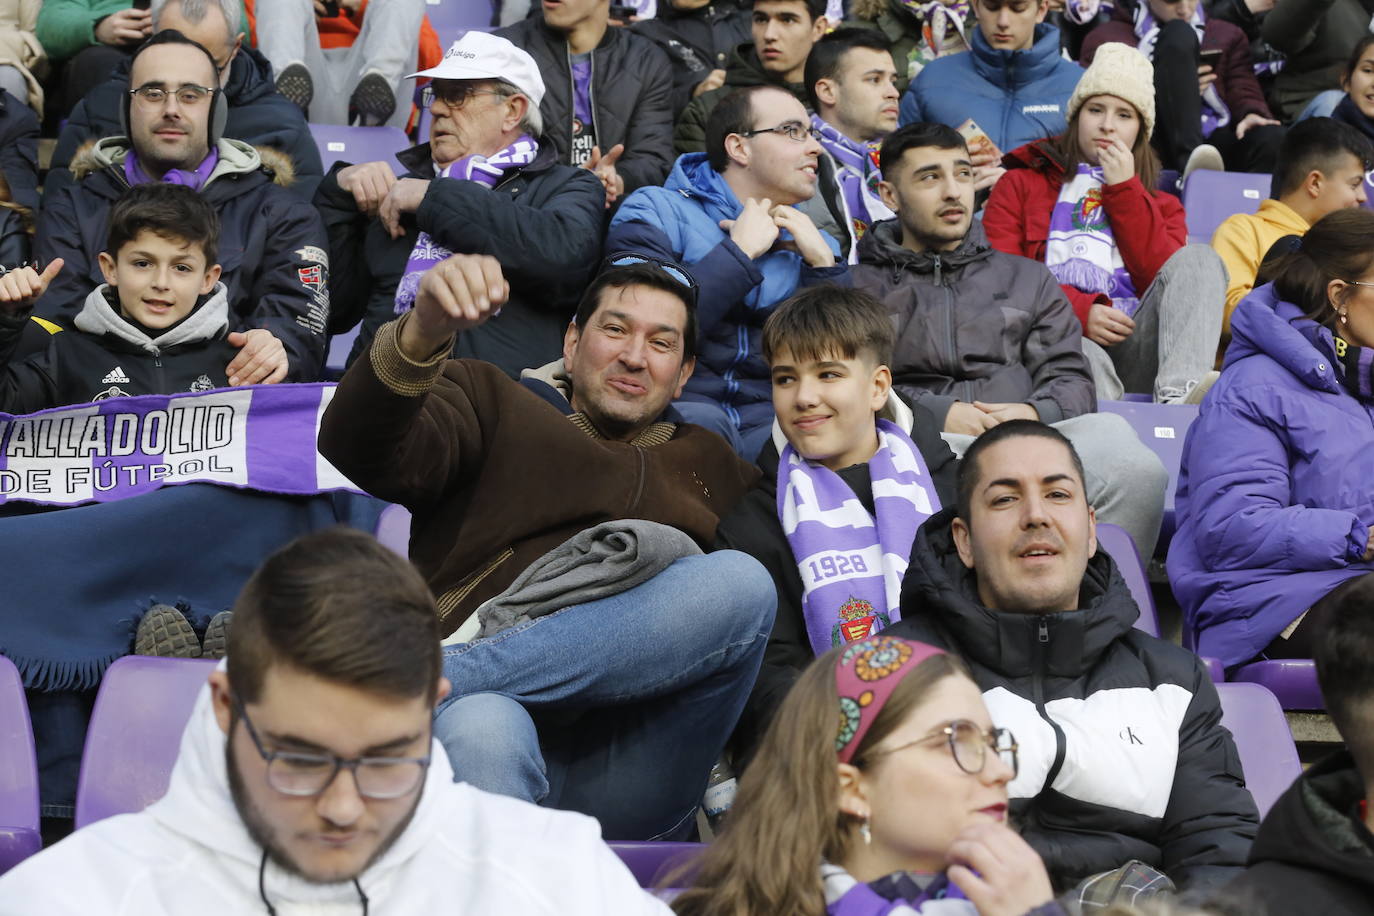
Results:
x,y
857,620
1088,214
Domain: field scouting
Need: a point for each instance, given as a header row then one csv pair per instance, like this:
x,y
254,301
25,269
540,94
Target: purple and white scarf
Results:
x,y
1215,112
897,894
1081,251
942,31
856,170
192,178
484,169
852,563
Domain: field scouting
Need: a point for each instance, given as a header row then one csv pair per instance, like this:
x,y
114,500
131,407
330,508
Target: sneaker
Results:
x,y
374,101
165,631
1192,393
216,642
295,83
1206,156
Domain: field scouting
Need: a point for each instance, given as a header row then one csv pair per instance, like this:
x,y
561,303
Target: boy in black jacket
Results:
x,y
850,473
156,326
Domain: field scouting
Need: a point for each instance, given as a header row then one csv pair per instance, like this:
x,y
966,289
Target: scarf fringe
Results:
x,y
51,675
1084,275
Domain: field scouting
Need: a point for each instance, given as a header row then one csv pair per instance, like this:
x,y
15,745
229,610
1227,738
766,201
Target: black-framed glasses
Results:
x,y
969,744
188,96
674,271
302,775
453,93
791,130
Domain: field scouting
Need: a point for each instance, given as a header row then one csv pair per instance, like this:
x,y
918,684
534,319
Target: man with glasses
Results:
x,y
487,182
730,216
1122,754
272,243
258,114
309,778
612,688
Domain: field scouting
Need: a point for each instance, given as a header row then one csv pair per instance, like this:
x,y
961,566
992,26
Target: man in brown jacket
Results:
x,y
618,706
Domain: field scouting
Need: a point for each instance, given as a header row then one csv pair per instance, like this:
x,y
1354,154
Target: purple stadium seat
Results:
x,y
1209,197
19,833
1214,668
340,345
1292,680
652,862
1369,190
135,733
339,142
393,529
1267,752
451,18
1162,428
1122,549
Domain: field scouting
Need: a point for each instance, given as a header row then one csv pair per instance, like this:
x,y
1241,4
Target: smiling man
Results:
x,y
487,182
730,215
309,780
272,244
1121,749
984,337
615,702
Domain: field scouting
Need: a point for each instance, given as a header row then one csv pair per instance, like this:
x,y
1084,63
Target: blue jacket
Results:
x,y
1274,500
681,222
1016,96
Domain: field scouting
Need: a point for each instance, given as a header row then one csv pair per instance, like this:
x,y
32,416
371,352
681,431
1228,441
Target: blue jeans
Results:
x,y
747,441
616,708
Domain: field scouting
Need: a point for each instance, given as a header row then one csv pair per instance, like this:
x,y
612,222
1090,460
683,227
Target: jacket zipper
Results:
x,y
1038,652
949,312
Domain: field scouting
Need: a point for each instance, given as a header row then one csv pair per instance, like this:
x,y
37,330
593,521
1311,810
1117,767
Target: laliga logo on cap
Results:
x,y
459,52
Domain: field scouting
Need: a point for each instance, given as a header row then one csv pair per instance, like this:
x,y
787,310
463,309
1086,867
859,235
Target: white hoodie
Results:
x,y
465,852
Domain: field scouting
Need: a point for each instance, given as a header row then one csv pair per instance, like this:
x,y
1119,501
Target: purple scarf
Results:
x,y
1081,251
486,170
851,563
856,170
193,179
897,894
1215,112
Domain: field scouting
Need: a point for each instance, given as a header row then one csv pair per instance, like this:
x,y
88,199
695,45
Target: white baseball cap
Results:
x,y
482,56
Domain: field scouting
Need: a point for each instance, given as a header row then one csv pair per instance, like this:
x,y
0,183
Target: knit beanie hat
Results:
x,y
1120,70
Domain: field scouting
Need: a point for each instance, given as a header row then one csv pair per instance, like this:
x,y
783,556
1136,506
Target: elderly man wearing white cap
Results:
x,y
486,183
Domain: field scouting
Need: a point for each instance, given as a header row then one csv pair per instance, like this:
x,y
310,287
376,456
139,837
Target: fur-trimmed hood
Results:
x,y
235,157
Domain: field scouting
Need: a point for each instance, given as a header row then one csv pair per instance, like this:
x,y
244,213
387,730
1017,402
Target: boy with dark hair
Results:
x,y
1320,169
849,474
155,326
1315,849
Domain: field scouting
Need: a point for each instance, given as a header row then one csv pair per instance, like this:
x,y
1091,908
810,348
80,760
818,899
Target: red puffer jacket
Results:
x,y
1148,226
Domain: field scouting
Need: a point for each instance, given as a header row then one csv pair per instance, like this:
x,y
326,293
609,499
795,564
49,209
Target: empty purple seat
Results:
x,y
1209,197
1122,549
340,345
1267,752
339,142
653,861
1292,680
393,529
451,18
1162,428
19,833
135,733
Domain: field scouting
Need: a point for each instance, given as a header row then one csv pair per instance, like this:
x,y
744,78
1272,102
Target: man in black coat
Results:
x,y
488,182
19,150
698,36
609,104
1122,752
258,114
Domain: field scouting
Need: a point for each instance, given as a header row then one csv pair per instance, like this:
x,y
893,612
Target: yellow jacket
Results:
x,y
1243,240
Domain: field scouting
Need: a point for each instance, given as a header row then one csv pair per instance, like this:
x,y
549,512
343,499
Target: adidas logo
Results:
x,y
116,376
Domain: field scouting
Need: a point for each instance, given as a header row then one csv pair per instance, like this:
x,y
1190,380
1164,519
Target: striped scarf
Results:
x,y
898,894
1215,112
1081,251
856,171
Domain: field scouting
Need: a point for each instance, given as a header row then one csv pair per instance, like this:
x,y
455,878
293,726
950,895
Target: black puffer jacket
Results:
x,y
258,115
632,97
1122,753
975,324
697,41
753,527
1313,855
542,222
19,149
742,69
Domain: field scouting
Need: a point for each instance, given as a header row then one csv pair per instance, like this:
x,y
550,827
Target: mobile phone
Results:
x,y
1211,59
141,4
331,8
623,11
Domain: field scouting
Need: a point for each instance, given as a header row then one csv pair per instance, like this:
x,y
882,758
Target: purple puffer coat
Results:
x,y
1276,493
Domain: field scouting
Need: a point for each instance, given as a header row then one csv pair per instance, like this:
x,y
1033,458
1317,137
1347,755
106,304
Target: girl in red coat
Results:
x,y
1082,203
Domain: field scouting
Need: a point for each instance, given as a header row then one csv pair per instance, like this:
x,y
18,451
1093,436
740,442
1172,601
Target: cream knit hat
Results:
x,y
1120,70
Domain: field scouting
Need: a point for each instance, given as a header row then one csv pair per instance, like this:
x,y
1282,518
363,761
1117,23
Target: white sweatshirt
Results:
x,y
465,852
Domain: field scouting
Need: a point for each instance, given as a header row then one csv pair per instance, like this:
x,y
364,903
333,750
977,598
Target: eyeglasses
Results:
x,y
791,130
1358,282
188,96
673,271
969,744
303,775
453,94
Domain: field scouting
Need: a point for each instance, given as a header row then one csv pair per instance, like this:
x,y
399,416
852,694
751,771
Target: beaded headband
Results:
x,y
866,673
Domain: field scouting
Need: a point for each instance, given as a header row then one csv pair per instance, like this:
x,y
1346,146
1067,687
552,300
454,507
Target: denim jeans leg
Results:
x,y
492,744
712,417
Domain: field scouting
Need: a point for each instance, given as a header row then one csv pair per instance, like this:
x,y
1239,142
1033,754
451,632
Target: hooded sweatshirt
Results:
x,y
1313,854
107,356
464,852
1122,753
